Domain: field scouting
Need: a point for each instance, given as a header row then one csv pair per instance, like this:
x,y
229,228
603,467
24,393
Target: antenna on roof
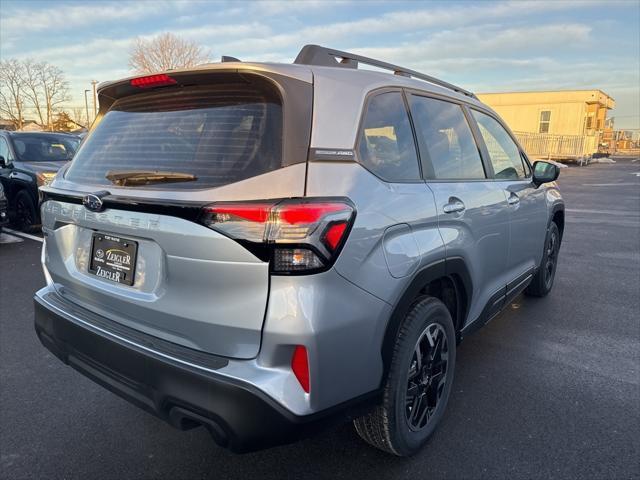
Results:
x,y
226,58
328,57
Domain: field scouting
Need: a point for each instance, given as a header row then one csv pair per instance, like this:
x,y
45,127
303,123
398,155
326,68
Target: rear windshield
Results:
x,y
208,136
35,147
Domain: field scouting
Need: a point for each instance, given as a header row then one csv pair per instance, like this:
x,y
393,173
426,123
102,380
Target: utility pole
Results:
x,y
95,102
86,107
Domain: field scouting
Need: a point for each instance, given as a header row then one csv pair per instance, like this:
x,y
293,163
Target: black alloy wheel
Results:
x,y
427,376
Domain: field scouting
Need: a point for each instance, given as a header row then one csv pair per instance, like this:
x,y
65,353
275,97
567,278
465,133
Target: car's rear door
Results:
x,y
473,217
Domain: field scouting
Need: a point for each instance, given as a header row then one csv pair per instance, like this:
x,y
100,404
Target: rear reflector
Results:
x,y
151,81
300,366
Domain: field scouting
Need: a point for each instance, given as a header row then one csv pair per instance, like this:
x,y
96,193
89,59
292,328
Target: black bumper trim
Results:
x,y
136,337
238,415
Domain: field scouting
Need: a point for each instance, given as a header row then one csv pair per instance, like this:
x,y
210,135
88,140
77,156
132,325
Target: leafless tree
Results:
x,y
46,90
79,116
164,52
12,92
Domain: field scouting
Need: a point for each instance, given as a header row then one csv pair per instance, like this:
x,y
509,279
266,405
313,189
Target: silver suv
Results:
x,y
263,249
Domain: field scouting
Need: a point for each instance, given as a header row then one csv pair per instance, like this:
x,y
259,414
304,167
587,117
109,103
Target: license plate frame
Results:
x,y
113,258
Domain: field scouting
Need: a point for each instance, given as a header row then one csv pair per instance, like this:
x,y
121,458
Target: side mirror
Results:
x,y
545,172
4,162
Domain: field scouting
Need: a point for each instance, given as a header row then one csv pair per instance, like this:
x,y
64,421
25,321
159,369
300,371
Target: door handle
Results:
x,y
513,199
455,205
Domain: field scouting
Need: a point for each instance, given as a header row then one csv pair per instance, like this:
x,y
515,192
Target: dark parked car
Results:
x,y
4,216
29,160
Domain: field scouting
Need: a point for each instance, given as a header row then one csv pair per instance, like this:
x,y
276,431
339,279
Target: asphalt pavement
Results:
x,y
549,389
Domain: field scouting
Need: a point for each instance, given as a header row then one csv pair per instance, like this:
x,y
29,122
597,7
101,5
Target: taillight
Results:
x,y
300,367
295,236
151,81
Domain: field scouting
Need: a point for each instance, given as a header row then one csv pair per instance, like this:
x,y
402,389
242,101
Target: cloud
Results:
x,y
419,22
481,45
484,40
424,19
288,7
220,32
70,16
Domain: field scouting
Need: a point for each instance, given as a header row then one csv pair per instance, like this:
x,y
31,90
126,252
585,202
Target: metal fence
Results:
x,y
557,146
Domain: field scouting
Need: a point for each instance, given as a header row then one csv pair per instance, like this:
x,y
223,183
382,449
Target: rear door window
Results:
x,y
387,147
446,135
208,136
503,152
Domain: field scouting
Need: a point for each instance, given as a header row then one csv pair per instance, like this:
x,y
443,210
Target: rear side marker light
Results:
x,y
151,81
295,236
300,367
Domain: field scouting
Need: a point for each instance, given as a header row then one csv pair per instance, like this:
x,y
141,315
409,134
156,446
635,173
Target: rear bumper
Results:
x,y
238,415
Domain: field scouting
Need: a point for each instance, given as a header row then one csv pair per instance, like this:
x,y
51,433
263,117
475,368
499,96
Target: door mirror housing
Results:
x,y
545,172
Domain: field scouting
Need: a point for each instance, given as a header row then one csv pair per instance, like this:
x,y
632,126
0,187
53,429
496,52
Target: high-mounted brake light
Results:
x,y
151,81
295,236
300,367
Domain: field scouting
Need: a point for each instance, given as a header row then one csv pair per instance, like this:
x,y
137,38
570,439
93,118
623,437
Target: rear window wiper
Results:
x,y
123,178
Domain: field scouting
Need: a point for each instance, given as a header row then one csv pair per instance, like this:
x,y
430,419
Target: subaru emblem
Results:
x,y
93,201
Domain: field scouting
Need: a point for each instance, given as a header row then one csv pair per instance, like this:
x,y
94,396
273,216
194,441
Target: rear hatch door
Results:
x,y
153,160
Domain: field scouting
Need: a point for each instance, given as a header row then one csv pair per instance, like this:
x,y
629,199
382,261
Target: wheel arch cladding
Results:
x,y
449,281
558,218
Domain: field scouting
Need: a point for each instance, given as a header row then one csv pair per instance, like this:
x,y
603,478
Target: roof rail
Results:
x,y
328,57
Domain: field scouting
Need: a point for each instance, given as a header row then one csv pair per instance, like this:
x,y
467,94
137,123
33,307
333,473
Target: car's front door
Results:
x,y
473,215
526,202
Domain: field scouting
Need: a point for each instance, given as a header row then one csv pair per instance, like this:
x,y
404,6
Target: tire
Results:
x,y
26,215
542,281
394,426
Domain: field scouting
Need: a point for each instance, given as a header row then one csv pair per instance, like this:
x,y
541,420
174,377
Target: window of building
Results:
x,y
545,119
448,139
503,152
589,122
387,147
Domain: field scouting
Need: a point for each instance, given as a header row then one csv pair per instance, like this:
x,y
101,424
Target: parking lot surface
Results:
x,y
549,389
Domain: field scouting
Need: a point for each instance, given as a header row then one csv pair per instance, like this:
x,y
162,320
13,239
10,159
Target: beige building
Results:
x,y
565,123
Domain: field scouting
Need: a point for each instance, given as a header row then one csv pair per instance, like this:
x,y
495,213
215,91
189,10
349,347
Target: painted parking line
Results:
x,y
6,238
24,235
602,212
610,184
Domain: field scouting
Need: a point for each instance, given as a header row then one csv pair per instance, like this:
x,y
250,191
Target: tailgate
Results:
x,y
192,285
154,153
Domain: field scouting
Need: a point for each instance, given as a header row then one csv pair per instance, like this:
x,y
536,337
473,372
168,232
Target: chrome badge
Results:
x,y
93,201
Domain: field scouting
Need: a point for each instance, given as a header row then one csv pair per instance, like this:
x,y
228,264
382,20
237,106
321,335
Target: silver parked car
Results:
x,y
265,248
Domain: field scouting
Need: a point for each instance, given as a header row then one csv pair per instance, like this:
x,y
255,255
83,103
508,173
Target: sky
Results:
x,y
483,46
